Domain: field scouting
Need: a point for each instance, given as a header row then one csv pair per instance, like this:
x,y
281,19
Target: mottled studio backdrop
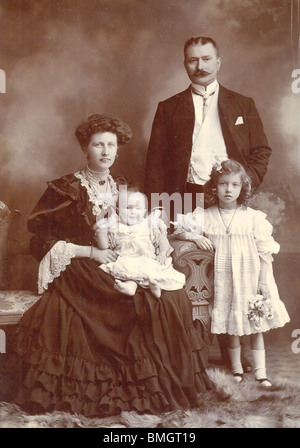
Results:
x,y
65,60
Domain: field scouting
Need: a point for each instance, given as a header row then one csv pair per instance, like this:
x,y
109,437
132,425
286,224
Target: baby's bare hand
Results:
x,y
161,258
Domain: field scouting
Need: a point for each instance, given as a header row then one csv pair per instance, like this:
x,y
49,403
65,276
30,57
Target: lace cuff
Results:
x,y
54,262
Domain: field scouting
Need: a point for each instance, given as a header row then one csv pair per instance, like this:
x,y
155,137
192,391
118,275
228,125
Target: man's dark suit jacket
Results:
x,y
170,143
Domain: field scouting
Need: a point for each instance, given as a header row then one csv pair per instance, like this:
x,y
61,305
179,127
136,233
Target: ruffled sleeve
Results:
x,y
193,223
262,231
54,262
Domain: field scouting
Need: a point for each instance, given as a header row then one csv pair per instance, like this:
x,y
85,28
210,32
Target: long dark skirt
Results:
x,y
88,349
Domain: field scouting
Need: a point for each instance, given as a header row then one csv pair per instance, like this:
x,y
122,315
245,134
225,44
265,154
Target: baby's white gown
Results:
x,y
237,269
136,246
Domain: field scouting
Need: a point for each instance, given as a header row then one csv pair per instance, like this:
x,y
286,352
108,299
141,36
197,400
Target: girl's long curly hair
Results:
x,y
102,123
227,167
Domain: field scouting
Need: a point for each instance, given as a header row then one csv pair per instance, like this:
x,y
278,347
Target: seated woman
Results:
x,y
86,347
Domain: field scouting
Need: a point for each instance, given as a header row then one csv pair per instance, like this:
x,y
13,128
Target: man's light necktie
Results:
x,y
205,97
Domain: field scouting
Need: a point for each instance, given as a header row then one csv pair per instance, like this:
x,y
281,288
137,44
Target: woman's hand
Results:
x,y
111,238
203,243
103,255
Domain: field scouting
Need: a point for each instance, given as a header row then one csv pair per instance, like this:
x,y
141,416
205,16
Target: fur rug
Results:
x,y
229,405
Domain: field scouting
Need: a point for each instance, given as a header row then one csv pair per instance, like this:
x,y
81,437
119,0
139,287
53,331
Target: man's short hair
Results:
x,y
202,40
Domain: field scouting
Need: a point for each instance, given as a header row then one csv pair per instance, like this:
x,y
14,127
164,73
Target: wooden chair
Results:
x,y
13,303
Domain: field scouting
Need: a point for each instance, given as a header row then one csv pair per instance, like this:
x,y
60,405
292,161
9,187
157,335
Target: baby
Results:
x,y
141,243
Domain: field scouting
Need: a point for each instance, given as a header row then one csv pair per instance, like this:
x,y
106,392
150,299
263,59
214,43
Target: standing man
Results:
x,y
204,124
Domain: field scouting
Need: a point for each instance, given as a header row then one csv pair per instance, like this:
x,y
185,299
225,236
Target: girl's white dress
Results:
x,y
238,249
137,249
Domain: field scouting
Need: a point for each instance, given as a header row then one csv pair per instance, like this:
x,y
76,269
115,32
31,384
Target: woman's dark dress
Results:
x,y
89,349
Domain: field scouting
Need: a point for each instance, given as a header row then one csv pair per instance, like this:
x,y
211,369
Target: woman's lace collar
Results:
x,y
101,196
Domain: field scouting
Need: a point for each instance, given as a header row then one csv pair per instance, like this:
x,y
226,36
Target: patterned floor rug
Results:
x,y
229,405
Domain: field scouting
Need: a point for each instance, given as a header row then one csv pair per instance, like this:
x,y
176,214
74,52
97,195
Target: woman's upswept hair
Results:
x,y
102,123
227,167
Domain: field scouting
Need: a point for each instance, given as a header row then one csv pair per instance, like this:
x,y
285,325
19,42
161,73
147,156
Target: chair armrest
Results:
x,y
198,267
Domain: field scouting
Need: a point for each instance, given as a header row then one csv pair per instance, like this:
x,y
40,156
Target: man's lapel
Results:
x,y
228,115
183,122
226,105
185,102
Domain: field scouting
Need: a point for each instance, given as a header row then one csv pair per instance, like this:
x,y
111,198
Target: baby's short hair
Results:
x,y
132,190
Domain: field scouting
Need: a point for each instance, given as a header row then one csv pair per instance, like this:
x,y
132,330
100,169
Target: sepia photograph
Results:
x,y
149,216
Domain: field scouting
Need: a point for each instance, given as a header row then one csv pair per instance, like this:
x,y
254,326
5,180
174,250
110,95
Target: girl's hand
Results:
x,y
103,256
262,289
203,243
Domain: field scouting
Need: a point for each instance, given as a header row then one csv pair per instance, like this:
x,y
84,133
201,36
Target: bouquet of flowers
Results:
x,y
259,309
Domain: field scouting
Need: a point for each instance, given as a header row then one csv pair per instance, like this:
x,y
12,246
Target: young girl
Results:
x,y
141,244
246,299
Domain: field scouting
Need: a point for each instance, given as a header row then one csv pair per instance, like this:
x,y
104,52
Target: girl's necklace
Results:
x,y
227,227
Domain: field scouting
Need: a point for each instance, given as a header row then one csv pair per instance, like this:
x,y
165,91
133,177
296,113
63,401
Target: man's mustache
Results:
x,y
202,73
